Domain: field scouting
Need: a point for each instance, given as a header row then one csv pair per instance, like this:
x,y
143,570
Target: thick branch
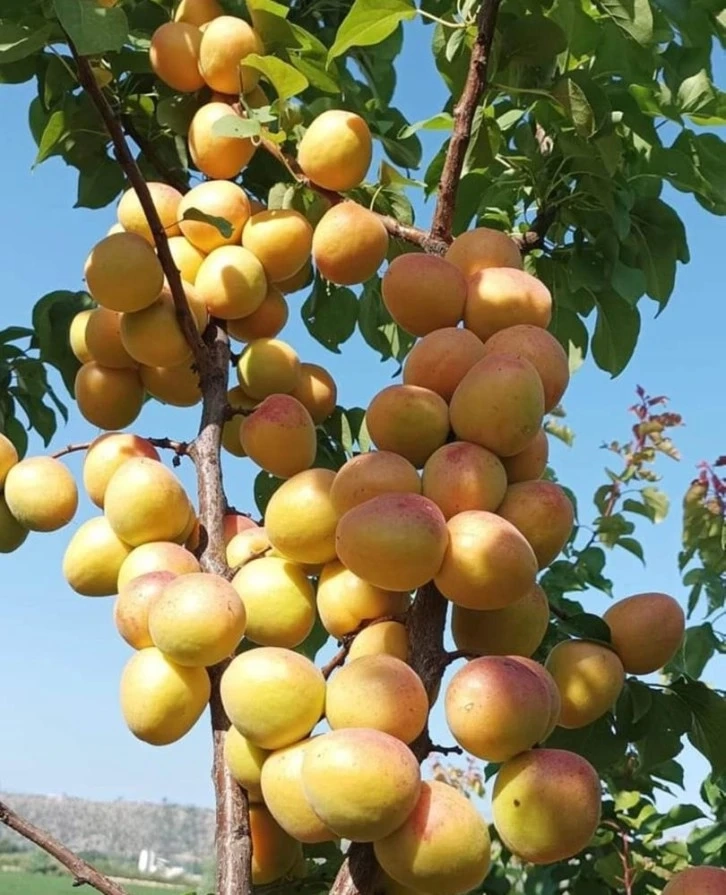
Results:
x,y
474,86
84,874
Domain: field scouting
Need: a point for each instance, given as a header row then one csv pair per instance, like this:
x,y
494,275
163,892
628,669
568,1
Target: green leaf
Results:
x,y
676,817
222,224
315,640
264,487
708,726
99,184
12,333
587,626
532,39
92,28
176,112
56,130
616,332
17,41
285,78
632,546
330,314
17,433
52,317
660,237
377,327
236,126
441,122
635,17
370,22
698,646
642,509
657,500
598,743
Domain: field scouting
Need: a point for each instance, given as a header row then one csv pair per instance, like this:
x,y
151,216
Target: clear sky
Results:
x,y
60,657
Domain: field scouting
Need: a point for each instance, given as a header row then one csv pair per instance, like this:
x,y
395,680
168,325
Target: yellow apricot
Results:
x,y
349,244
274,697
549,682
543,513
697,881
268,367
197,12
160,700
234,523
274,853
282,239
515,630
316,390
187,258
500,297
423,293
300,519
8,457
104,456
345,601
279,436
123,273
231,282
175,55
481,248
12,533
93,558
589,677
215,155
441,359
131,609
217,198
245,761
263,323
647,630
298,281
103,340
166,201
110,399
488,563
157,556
41,493
247,545
460,476
370,474
335,151
394,541
530,463
382,638
178,386
77,336
408,420
225,43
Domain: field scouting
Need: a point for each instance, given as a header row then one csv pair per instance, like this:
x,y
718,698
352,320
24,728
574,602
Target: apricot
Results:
x,y
160,700
501,297
697,881
443,846
225,43
103,339
197,12
279,601
274,853
123,273
336,149
361,783
105,455
515,630
41,493
481,248
274,697
408,420
131,609
371,474
344,600
589,677
234,523
529,464
109,399
542,350
496,708
646,631
316,390
349,244
157,556
217,198
546,805
300,519
8,457
93,558
460,476
394,541
488,564
247,545
77,336
279,436
231,282
441,359
187,258
268,367
217,156
238,400
281,238
551,685
198,620
380,639
154,337
12,533
144,501
499,404
178,386
165,200
175,56
298,281
244,762
543,513
423,293
264,323
284,795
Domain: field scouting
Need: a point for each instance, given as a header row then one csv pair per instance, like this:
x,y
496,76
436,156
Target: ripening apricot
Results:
x,y
551,685
8,457
461,476
238,400
544,514
279,436
93,558
197,12
361,783
488,563
233,523
161,700
166,201
589,677
268,367
335,151
423,293
443,846
501,297
349,244
157,556
231,282
697,881
481,248
515,630
281,238
542,350
529,464
174,54
219,157
217,198
41,493
77,336
316,391
441,359
284,794
144,501
110,399
187,258
499,404
103,340
300,519
244,761
393,541
104,456
154,337
247,545
274,852
647,630
178,386
546,805
12,533
274,697
131,609
123,273
345,601
387,638
298,281
370,474
225,43
263,323
408,420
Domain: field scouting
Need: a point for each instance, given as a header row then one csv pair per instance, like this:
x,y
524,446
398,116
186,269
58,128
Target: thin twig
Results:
x,y
454,656
169,175
347,641
181,448
84,874
447,750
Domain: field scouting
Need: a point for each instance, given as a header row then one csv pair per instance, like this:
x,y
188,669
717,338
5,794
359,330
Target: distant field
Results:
x,y
38,884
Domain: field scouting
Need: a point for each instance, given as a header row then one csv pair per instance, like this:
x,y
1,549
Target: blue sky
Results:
x,y
60,657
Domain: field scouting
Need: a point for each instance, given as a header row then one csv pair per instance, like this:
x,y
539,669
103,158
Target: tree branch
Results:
x,y
173,177
180,448
476,81
84,874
